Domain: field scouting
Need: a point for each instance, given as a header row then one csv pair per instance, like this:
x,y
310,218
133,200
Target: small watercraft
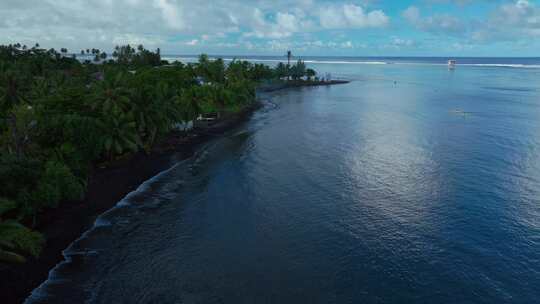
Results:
x,y
451,64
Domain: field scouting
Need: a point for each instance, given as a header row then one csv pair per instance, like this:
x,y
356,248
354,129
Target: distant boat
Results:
x,y
451,64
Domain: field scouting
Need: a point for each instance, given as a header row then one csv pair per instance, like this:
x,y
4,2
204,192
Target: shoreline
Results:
x,y
106,187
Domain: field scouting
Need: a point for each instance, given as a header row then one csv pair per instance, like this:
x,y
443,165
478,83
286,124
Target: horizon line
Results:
x,y
349,56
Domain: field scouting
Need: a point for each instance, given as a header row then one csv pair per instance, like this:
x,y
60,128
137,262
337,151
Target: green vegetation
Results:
x,y
295,72
59,117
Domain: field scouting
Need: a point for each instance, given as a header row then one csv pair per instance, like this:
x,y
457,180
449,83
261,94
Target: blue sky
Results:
x,y
256,27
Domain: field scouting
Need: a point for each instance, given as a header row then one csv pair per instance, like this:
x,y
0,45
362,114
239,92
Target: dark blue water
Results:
x,y
411,184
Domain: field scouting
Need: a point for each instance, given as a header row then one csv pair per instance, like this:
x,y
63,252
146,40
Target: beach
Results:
x,y
108,186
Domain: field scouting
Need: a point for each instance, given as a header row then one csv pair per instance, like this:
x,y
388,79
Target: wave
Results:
x,y
503,65
372,62
151,194
487,65
74,251
347,62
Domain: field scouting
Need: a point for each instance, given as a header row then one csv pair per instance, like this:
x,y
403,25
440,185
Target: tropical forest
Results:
x,y
64,113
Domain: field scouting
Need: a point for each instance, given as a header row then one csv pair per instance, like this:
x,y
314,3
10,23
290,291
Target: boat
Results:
x,y
451,64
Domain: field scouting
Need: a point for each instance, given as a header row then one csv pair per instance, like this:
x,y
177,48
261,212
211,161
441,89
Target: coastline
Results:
x,y
61,226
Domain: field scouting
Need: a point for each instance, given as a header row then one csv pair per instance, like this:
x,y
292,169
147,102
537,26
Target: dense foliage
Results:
x,y
60,115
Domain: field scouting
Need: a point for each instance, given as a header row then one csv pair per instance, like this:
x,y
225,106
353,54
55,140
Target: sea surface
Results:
x,y
500,62
411,184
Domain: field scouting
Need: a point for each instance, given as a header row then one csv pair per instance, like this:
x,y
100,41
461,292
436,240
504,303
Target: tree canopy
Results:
x,y
60,116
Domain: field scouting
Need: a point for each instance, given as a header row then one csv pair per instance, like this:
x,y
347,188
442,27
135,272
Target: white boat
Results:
x,y
451,64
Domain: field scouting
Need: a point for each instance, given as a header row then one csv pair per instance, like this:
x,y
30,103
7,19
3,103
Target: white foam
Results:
x,y
101,222
40,292
346,62
502,65
371,62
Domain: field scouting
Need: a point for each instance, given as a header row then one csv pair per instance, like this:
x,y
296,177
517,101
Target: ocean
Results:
x,y
413,183
495,62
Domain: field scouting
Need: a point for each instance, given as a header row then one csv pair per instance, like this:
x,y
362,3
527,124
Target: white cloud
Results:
x,y
398,42
170,24
347,45
171,13
285,25
133,39
287,22
259,25
437,24
458,2
515,21
192,42
412,14
351,16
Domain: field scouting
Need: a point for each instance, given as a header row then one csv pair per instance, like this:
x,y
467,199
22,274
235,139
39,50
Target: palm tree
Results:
x,y
117,122
188,103
111,95
16,238
311,73
119,133
10,97
10,88
298,70
282,70
154,111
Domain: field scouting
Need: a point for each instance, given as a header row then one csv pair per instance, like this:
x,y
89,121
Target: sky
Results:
x,y
504,28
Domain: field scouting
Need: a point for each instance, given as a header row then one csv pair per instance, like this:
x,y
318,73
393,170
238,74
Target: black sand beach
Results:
x,y
106,187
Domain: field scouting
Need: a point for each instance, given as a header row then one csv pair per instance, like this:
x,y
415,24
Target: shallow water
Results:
x,y
411,184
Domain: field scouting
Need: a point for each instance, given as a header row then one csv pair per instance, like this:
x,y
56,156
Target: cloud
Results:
x,y
280,46
412,14
510,21
458,2
322,17
100,22
347,45
351,16
285,25
398,42
170,23
514,21
436,24
171,13
182,26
